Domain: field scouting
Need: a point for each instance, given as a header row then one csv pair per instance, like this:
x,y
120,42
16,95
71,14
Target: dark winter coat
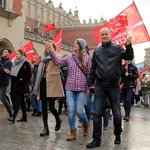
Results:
x,y
129,81
4,77
20,84
107,63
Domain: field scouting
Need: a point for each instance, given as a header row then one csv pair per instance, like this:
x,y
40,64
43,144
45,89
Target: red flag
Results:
x,y
29,50
12,56
50,27
58,40
118,22
142,71
127,23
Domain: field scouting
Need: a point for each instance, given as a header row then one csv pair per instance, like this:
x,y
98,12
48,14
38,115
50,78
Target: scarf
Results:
x,y
44,60
17,65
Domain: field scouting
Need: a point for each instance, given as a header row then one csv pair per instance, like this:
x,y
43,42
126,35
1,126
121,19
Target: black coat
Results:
x,y
107,63
129,81
20,84
4,77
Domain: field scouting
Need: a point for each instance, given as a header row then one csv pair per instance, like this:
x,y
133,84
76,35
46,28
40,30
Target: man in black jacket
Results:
x,y
106,71
128,78
5,64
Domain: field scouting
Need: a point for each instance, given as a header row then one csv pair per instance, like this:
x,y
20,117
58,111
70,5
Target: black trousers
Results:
x,y
19,100
45,102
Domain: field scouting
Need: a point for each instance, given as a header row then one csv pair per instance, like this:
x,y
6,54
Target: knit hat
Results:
x,y
82,43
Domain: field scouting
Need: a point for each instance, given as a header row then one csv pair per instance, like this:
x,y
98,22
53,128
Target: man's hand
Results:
x,y
7,71
129,39
126,73
91,89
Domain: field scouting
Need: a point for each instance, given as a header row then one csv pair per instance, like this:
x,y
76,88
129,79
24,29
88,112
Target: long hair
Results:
x,y
81,58
22,52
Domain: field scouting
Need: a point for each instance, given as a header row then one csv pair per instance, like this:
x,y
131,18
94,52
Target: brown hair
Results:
x,y
81,57
22,52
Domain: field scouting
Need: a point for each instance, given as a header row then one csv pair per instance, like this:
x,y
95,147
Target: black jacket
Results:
x,y
20,84
107,63
4,77
129,81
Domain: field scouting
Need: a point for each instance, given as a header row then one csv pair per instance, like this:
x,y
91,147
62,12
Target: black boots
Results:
x,y
126,118
34,112
11,119
117,139
45,131
38,114
58,124
94,143
23,119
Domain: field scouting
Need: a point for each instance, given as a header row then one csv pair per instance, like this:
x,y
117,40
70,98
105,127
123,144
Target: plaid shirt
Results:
x,y
76,80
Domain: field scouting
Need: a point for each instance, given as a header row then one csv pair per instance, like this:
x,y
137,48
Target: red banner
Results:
x,y
142,71
29,50
127,23
58,40
50,27
12,56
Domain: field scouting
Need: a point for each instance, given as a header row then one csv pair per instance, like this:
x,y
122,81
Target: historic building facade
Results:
x,y
147,56
25,20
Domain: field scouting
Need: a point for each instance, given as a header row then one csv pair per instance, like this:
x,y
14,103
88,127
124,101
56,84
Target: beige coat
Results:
x,y
53,81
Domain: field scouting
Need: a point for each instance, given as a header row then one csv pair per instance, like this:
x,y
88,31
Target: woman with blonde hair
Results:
x,y
48,88
20,76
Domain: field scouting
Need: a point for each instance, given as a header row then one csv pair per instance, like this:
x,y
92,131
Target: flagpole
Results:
x,y
41,38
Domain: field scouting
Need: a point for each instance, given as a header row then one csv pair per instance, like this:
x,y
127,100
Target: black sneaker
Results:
x,y
94,143
117,139
126,118
38,114
23,119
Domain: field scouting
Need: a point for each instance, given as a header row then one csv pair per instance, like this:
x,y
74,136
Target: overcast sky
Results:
x,y
94,9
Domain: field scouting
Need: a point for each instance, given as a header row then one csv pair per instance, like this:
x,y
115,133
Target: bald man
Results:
x,y
106,71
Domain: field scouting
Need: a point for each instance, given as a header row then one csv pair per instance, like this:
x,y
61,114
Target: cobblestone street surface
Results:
x,y
25,136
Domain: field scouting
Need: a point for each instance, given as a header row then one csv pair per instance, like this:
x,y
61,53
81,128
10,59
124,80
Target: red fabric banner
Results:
x,y
12,56
142,71
50,27
29,50
58,40
127,23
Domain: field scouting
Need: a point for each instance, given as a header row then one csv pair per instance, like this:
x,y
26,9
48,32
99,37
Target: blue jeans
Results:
x,y
36,104
100,95
76,101
127,94
92,103
87,108
3,90
106,115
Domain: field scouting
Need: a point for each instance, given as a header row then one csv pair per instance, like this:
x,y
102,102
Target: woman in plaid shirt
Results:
x,y
76,85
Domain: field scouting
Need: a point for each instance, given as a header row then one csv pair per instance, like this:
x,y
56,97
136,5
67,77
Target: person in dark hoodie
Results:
x,y
5,64
128,78
106,71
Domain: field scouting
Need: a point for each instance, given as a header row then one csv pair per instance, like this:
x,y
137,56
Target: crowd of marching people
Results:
x,y
90,87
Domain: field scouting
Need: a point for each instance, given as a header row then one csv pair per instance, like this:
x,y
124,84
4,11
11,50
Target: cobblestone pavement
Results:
x,y
25,136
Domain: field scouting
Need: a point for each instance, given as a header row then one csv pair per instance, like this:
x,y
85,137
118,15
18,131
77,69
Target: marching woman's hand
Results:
x,y
49,47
